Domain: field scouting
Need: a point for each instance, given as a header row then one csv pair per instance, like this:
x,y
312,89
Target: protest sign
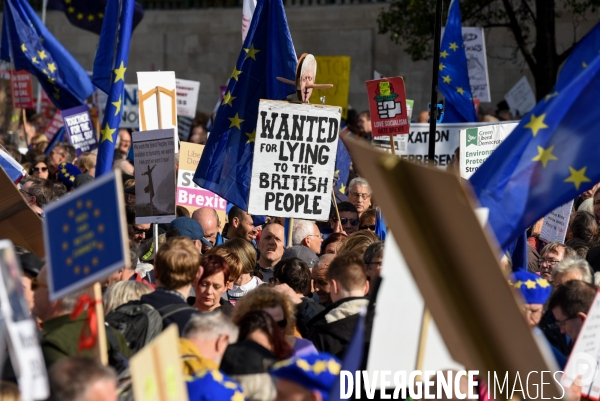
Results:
x,y
54,125
157,102
21,90
156,370
294,159
190,195
18,222
333,70
130,115
154,176
478,143
187,97
520,98
554,228
585,356
85,235
79,129
184,127
387,103
447,253
377,75
474,42
46,108
22,332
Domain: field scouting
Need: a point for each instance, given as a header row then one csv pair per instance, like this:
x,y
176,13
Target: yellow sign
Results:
x,y
333,70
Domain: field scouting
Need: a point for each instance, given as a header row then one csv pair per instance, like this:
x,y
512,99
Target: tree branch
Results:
x,y
497,26
487,3
529,10
563,56
514,26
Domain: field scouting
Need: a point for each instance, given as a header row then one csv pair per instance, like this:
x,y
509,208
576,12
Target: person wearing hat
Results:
x,y
303,253
67,172
311,377
212,385
188,227
31,265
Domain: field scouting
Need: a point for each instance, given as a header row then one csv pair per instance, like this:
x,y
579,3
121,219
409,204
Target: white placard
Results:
x,y
400,336
130,116
154,176
22,334
377,75
556,222
148,82
474,42
585,356
520,98
294,160
187,97
478,143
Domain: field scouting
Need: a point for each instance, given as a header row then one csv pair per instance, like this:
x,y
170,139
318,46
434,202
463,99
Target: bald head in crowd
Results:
x,y
209,220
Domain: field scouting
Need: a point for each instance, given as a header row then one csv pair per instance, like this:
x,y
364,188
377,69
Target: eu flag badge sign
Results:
x,y
85,235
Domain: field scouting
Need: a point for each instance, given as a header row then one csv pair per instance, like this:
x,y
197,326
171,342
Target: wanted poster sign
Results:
x,y
294,159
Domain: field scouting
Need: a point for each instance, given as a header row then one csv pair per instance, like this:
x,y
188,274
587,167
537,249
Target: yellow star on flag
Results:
x,y
551,95
544,156
90,17
107,133
518,284
444,54
442,66
120,73
251,136
56,96
100,15
52,67
23,48
343,188
447,79
536,124
42,54
71,10
530,284
251,52
543,282
460,90
67,1
584,64
236,73
577,177
236,122
51,80
80,16
34,60
453,46
117,105
228,99
237,396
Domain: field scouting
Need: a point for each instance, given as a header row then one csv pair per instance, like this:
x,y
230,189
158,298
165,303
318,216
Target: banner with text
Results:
x,y
333,70
554,228
477,144
187,97
21,90
387,103
130,115
79,130
54,125
294,160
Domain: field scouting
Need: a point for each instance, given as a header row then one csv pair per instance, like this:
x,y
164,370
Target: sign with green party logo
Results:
x,y
472,134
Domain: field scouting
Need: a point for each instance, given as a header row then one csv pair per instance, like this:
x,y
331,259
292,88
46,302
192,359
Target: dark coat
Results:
x,y
159,299
305,311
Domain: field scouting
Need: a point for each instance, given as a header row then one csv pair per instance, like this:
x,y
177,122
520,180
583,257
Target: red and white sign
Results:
x,y
187,97
387,103
46,109
21,90
54,126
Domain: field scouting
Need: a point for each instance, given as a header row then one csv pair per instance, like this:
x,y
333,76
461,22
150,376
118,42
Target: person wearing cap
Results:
x,y
311,377
31,265
212,385
188,227
306,233
67,173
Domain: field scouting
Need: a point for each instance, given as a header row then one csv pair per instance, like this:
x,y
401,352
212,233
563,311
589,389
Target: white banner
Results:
x,y
294,160
129,117
520,98
474,42
187,97
554,228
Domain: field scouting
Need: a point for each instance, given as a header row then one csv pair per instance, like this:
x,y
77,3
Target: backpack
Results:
x,y
140,323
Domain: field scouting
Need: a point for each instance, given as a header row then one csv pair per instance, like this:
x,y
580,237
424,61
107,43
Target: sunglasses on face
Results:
x,y
141,231
35,284
371,227
345,221
40,169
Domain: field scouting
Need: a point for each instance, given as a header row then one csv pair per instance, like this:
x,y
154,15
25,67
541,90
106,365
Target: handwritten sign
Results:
x,y
387,102
294,160
520,98
85,235
474,43
556,222
21,90
333,70
79,130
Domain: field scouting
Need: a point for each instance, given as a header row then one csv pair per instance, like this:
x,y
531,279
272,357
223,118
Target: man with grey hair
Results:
x,y
306,233
206,336
79,378
359,194
373,259
209,220
552,254
572,269
60,333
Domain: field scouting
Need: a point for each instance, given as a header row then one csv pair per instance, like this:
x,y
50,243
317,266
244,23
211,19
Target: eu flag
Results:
x,y
89,14
110,68
453,77
31,47
342,169
549,158
584,52
267,53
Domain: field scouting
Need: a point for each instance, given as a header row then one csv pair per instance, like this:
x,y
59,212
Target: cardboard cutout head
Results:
x,y
305,77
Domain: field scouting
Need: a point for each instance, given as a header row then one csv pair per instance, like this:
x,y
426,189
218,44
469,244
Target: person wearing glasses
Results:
x,y
141,232
552,254
306,233
348,218
359,194
61,153
37,193
40,170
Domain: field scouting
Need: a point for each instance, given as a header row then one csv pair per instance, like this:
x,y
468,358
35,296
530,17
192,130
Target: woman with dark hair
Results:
x,y
260,327
332,243
211,285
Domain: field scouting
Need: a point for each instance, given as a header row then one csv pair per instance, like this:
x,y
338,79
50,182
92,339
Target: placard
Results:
x,y
157,90
477,144
387,103
54,125
585,356
130,115
333,70
79,129
85,235
154,176
22,332
474,42
554,228
294,159
190,195
520,98
21,90
187,97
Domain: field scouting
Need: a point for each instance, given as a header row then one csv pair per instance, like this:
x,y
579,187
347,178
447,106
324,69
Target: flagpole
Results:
x,y
433,112
38,106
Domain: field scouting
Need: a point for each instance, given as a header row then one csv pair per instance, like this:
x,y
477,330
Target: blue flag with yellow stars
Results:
x,y
342,171
116,33
31,47
267,53
584,52
549,158
453,79
89,14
